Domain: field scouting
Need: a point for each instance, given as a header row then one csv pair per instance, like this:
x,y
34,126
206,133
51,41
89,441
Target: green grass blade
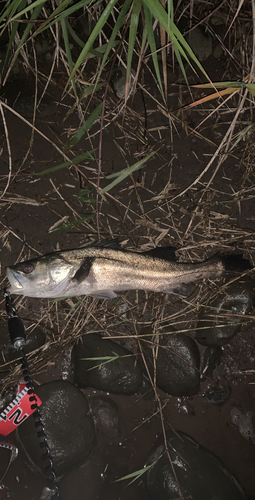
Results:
x,y
251,88
85,127
35,14
8,14
136,9
175,35
83,196
77,159
126,172
219,85
138,473
152,42
76,223
92,88
32,6
112,41
59,13
14,28
97,29
75,306
64,26
104,360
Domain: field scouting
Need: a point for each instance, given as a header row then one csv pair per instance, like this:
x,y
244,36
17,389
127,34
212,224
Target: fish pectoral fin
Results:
x,y
104,294
83,270
180,290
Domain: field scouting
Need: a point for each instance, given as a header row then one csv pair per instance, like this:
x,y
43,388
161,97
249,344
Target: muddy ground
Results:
x,y
144,211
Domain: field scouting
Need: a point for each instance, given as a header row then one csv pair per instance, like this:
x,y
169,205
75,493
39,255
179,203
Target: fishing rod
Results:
x,y
18,339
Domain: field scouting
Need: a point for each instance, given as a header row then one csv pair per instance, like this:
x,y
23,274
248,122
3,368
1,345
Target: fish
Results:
x,y
104,268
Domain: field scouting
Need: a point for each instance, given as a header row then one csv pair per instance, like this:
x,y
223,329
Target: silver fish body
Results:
x,y
101,271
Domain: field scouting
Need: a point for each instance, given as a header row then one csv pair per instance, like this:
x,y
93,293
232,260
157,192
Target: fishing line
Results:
x,y
18,339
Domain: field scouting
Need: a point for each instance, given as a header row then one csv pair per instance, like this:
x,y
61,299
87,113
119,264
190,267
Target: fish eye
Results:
x,y
27,268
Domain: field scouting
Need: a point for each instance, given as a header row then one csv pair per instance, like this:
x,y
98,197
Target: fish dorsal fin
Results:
x,y
83,271
166,253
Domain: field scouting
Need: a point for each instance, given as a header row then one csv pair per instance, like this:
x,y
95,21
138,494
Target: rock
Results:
x,y
44,45
201,43
218,330
200,475
177,364
24,105
217,395
4,65
146,390
68,426
48,493
118,81
218,51
212,358
35,339
121,375
244,423
105,414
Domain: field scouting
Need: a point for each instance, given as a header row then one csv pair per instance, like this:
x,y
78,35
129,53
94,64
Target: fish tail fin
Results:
x,y
236,263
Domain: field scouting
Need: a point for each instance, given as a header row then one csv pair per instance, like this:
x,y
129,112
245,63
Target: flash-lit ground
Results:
x,y
177,198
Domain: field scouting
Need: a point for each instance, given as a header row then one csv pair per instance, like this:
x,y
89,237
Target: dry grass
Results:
x,y
156,206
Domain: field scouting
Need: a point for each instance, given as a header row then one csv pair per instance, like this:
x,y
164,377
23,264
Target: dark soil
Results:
x,y
143,211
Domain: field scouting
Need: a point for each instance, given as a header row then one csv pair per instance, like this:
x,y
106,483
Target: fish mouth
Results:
x,y
17,281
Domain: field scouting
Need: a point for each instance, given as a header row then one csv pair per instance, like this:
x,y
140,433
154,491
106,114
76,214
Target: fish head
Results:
x,y
47,276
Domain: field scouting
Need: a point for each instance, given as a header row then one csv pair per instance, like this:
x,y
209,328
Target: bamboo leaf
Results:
x,y
35,14
61,13
14,29
32,6
251,88
64,26
219,85
112,42
104,360
126,172
152,42
137,474
83,196
74,161
85,127
180,44
136,9
98,52
92,88
97,29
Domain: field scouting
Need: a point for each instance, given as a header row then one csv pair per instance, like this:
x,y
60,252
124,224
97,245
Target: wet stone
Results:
x,y
201,43
212,358
237,299
200,475
118,81
68,426
120,374
217,395
244,423
5,65
24,105
105,414
177,364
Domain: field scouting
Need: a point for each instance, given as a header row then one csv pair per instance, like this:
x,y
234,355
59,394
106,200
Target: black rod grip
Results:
x,y
16,329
